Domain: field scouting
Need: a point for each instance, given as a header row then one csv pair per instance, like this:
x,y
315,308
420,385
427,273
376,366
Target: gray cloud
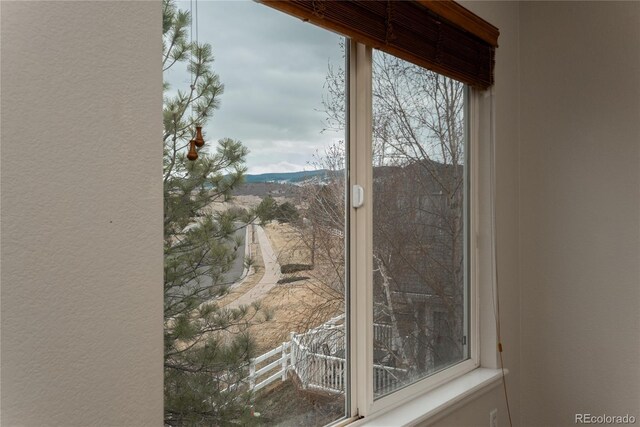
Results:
x,y
273,67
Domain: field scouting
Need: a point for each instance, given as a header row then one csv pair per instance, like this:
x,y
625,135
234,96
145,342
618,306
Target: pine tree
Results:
x,y
207,348
267,210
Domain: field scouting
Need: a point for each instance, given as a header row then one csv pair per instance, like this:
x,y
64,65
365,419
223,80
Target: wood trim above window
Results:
x,y
463,18
439,35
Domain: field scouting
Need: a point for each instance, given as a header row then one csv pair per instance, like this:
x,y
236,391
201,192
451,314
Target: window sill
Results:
x,y
436,401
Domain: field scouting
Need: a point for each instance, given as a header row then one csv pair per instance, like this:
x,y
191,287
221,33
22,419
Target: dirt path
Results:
x,y
271,272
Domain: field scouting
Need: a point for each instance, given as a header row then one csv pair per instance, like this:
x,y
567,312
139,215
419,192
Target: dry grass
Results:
x,y
296,306
244,202
291,307
288,242
284,404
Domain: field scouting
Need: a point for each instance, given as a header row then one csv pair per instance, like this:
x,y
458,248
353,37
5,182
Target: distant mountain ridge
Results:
x,y
285,177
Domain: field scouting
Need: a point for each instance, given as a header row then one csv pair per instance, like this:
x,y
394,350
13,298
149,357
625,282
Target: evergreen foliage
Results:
x,y
207,348
269,209
287,212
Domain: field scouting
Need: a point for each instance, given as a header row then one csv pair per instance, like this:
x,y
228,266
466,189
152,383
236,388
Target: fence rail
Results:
x,y
256,371
312,357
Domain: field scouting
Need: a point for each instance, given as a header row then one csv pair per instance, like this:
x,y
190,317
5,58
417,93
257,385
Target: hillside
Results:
x,y
285,177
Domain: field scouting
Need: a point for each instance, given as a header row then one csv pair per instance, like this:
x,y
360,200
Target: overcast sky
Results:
x,y
273,67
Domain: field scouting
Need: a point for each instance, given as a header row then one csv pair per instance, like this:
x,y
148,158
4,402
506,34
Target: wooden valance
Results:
x,y
439,35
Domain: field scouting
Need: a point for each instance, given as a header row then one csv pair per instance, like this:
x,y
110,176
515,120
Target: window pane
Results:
x,y
255,266
419,251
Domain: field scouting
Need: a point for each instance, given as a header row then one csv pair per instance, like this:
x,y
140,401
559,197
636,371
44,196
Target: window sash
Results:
x,y
360,251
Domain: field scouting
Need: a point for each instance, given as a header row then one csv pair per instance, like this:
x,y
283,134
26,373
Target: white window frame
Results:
x,y
360,268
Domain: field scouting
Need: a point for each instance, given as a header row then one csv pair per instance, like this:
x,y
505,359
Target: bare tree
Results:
x,y
418,159
321,232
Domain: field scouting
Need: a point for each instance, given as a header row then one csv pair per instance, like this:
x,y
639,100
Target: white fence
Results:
x,y
329,338
317,357
382,336
268,366
315,370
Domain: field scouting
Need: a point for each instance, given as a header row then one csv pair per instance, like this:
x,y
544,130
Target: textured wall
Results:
x,y
580,210
81,197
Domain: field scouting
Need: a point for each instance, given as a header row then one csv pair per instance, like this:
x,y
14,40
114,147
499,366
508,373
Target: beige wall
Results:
x,y
81,197
580,210
577,100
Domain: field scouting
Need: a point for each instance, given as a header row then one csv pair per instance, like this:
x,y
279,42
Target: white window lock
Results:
x,y
357,196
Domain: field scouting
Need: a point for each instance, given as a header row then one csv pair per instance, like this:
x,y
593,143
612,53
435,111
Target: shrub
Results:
x,y
292,279
294,268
